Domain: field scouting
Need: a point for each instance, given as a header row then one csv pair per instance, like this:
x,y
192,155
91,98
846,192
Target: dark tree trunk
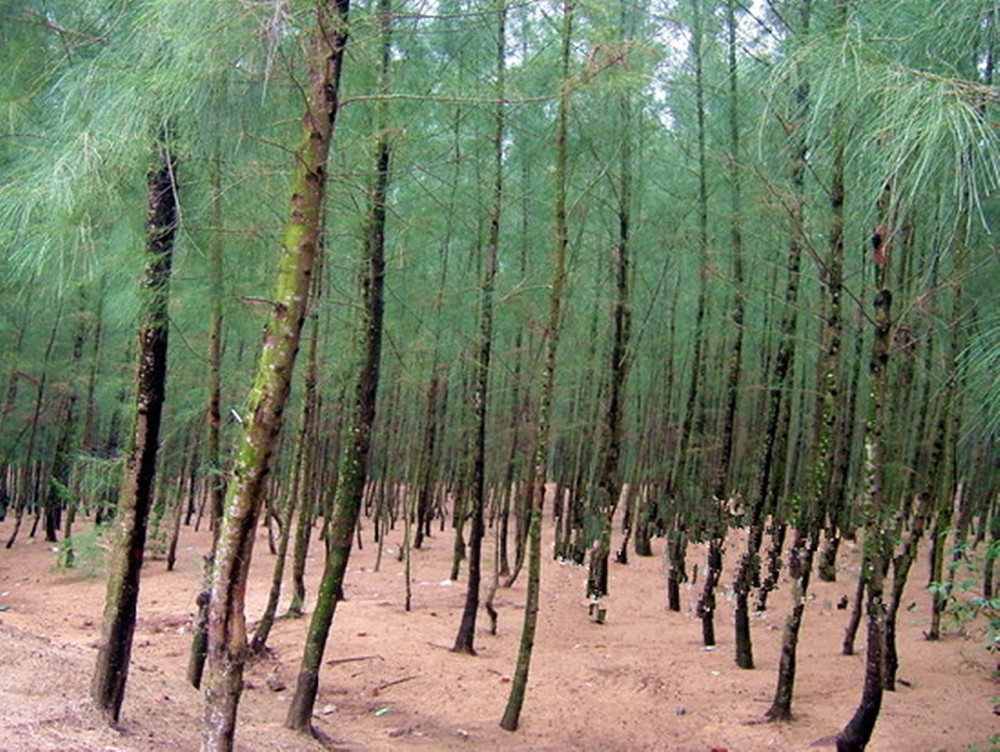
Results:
x,y
774,564
878,545
800,569
706,604
608,485
136,495
465,639
677,541
775,429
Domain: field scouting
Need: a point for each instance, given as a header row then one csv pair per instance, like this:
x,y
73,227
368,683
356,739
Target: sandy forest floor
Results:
x,y
641,681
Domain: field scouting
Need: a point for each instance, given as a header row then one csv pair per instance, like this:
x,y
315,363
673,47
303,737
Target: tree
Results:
x,y
519,683
464,640
227,639
136,494
354,461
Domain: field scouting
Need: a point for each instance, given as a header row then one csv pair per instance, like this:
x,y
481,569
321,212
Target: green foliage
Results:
x,y
899,84
86,551
964,609
980,364
97,479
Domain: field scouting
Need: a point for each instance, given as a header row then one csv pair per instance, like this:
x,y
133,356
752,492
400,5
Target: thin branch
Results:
x,y
447,99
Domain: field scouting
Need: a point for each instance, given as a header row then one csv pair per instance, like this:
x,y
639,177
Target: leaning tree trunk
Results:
x,y
519,683
136,495
227,639
354,462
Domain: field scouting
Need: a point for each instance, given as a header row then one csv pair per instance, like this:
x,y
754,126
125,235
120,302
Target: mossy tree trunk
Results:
x,y
355,459
227,638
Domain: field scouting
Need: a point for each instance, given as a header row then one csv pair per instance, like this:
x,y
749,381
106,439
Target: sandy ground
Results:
x,y
641,681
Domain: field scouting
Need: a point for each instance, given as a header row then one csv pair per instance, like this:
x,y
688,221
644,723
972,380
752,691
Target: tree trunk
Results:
x,y
706,603
227,639
136,495
608,485
354,462
749,566
519,683
465,639
800,569
878,545
947,487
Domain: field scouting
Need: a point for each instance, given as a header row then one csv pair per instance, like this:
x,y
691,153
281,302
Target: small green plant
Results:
x,y
85,552
990,745
966,610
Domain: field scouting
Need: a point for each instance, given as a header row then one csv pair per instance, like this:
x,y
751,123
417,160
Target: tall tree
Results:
x,y
227,639
774,437
722,484
536,489
136,495
354,461
608,484
464,640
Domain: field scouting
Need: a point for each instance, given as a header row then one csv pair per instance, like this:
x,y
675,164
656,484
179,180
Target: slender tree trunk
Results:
x,y
749,565
313,488
706,603
854,621
227,639
946,486
59,495
217,490
213,460
677,543
878,546
800,569
136,495
519,683
354,462
465,639
608,482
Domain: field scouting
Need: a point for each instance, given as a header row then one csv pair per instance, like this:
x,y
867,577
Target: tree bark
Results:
x,y
465,639
136,495
878,546
354,462
227,639
519,683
